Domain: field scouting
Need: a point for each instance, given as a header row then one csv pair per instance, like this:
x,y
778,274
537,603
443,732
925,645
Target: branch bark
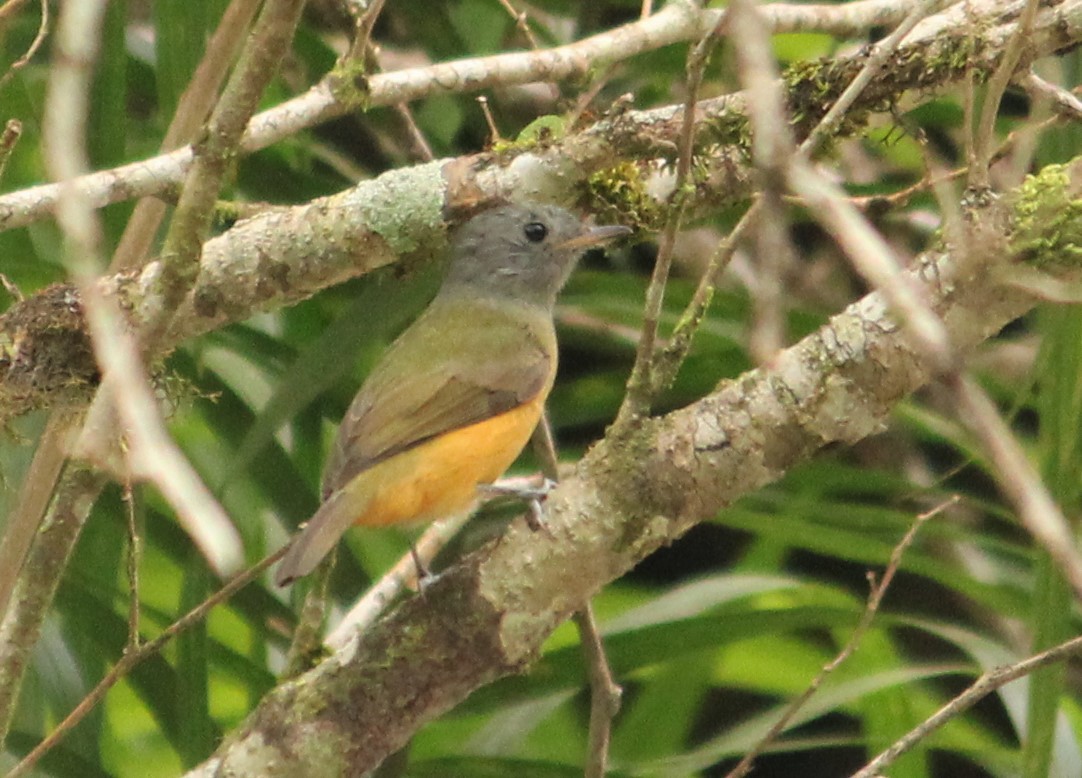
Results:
x,y
487,616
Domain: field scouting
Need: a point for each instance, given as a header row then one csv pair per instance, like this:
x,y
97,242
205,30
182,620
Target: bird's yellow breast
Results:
x,y
440,477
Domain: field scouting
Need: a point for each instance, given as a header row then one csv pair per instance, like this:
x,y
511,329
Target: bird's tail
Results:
x,y
319,536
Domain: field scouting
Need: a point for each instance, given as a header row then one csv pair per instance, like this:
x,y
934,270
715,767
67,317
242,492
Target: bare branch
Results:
x,y
1066,104
604,693
772,147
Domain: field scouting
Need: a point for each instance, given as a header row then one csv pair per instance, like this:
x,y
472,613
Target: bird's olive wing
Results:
x,y
402,405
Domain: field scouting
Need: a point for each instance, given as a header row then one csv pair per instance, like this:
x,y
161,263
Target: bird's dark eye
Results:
x,y
535,232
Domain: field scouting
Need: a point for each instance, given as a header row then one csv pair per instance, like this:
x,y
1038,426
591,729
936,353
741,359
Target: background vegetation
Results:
x,y
711,637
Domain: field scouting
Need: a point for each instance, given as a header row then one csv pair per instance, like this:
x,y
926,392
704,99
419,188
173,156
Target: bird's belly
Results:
x,y
440,477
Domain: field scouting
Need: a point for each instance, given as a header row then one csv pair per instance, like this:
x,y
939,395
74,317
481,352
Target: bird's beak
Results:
x,y
594,236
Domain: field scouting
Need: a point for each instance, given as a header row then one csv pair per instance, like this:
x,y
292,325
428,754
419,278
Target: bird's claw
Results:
x,y
533,496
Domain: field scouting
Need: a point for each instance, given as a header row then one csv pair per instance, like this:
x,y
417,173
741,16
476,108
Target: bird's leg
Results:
x,y
424,575
533,496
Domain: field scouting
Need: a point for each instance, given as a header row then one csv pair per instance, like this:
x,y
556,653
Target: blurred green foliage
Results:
x,y
711,637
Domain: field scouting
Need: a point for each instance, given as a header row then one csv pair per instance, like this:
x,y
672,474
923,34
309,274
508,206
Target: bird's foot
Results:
x,y
424,575
533,496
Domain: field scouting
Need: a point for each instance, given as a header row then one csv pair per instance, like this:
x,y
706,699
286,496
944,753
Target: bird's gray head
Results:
x,y
525,252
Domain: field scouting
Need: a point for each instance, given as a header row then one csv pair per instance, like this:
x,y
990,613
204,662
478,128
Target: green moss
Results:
x,y
544,130
1047,220
227,213
541,133
693,318
730,129
349,84
619,194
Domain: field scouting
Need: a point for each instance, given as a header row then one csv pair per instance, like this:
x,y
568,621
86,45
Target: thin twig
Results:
x,y
583,101
420,143
642,385
134,554
1065,103
39,39
362,37
494,131
684,333
933,180
364,50
903,196
978,690
871,608
544,447
985,132
772,146
605,693
13,130
522,23
132,658
1019,480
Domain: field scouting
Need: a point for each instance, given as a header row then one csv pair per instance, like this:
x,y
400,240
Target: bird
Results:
x,y
458,394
